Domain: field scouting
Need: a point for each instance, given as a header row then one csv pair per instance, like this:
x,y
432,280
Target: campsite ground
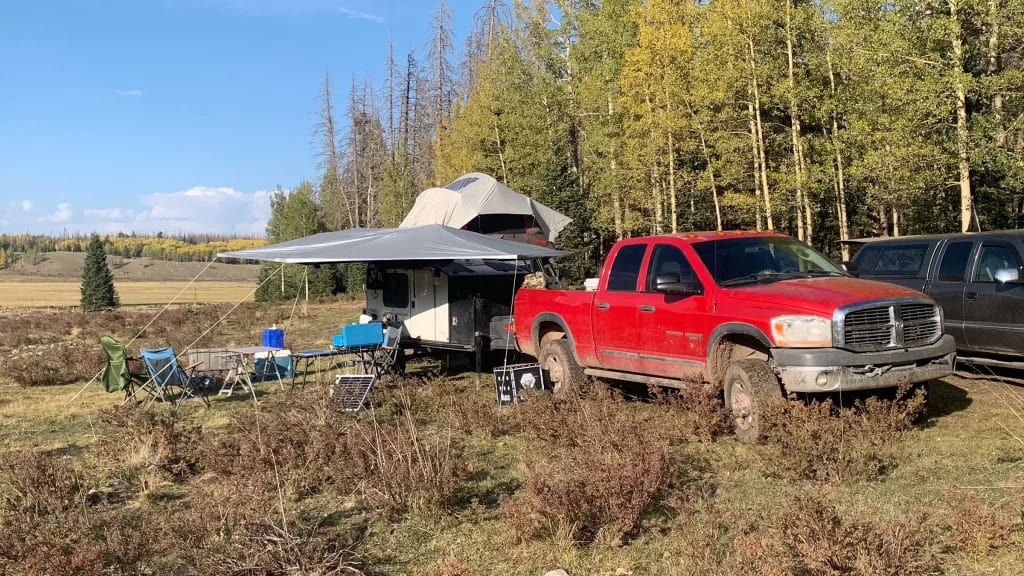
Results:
x,y
54,280
426,482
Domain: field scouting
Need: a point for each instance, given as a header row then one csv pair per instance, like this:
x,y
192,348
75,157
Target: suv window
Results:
x,y
900,260
668,259
626,268
994,257
954,262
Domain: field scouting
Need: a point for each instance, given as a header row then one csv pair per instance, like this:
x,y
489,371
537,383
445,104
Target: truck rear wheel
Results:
x,y
750,385
564,374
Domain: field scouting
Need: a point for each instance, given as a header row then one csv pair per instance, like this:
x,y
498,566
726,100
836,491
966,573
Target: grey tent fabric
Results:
x,y
474,194
432,242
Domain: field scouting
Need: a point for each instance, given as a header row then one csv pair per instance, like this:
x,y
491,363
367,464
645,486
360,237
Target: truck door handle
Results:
x,y
602,305
971,297
647,308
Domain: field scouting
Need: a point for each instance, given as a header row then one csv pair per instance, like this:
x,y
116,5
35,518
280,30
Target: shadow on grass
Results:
x,y
944,398
480,489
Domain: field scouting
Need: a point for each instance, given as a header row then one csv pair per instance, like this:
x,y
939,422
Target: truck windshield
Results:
x,y
739,261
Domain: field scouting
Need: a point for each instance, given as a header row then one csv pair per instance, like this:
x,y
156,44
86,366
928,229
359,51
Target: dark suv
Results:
x,y
976,278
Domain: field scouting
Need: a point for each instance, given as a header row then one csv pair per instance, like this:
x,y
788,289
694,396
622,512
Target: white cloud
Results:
x,y
357,15
198,209
120,92
26,205
63,214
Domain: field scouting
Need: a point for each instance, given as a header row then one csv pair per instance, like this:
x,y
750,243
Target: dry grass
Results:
x,y
40,294
416,484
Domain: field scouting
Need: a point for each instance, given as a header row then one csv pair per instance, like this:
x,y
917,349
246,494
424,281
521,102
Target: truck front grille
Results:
x,y
891,326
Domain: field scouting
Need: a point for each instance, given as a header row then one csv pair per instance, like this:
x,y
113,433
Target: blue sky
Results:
x,y
177,115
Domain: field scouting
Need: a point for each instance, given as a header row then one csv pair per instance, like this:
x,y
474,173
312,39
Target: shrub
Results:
x,y
408,469
33,485
606,472
978,526
813,538
697,412
817,441
143,446
55,365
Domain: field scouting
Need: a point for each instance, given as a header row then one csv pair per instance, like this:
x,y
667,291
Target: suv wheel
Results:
x,y
750,385
563,372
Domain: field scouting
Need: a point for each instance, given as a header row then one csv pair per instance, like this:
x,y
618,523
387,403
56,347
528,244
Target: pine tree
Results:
x,y
97,281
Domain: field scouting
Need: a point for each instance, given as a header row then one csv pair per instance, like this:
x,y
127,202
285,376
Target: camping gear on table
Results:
x,y
273,337
117,374
166,374
356,335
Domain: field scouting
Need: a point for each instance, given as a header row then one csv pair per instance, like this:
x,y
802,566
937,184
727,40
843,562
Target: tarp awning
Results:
x,y
432,242
476,194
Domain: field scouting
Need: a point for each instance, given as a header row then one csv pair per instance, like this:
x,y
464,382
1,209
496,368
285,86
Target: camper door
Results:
x,y
428,314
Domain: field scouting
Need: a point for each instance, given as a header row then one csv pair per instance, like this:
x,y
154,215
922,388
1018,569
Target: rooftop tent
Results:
x,y
480,203
432,242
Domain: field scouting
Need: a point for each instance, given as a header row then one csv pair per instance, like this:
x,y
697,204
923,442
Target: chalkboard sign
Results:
x,y
509,380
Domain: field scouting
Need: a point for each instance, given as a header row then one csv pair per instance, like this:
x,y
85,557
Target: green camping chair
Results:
x,y
117,374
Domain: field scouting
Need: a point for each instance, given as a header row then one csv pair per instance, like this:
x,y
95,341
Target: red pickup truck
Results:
x,y
754,313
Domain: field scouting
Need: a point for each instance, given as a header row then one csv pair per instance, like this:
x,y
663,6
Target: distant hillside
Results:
x,y
68,266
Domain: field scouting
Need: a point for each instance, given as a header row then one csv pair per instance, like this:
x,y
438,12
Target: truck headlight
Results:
x,y
797,331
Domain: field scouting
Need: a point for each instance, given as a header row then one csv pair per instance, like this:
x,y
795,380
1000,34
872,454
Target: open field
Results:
x,y
68,266
436,480
28,293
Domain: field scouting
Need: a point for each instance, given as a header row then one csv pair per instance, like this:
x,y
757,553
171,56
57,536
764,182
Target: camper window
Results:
x,y
396,290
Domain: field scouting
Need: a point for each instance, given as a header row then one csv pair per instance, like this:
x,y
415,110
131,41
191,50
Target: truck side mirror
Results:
x,y
850,267
671,284
1007,276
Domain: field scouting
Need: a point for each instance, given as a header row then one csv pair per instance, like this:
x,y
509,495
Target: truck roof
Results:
x,y
928,237
695,237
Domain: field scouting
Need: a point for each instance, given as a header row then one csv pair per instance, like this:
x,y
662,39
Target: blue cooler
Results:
x,y
273,337
356,335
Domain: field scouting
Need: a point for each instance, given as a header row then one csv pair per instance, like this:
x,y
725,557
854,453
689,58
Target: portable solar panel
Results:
x,y
350,391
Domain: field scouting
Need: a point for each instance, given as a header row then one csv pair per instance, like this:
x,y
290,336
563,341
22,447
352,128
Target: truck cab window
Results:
x,y
668,259
994,257
626,268
954,262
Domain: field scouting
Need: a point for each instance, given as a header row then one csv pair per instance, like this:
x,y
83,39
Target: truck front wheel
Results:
x,y
564,374
750,385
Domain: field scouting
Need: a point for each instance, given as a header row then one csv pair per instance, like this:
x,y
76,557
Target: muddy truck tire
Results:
x,y
750,386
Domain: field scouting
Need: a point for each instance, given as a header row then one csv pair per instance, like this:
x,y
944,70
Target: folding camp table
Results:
x,y
240,375
306,358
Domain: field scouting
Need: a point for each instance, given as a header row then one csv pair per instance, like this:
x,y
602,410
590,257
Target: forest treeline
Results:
x,y
178,248
826,119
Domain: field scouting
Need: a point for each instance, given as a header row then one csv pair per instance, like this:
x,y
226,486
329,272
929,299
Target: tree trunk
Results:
x,y
962,132
658,216
672,182
757,164
501,155
895,222
616,194
840,182
794,123
755,91
992,68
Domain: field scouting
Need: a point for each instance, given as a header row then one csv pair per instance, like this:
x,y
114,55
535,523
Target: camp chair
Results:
x,y
383,359
165,373
117,374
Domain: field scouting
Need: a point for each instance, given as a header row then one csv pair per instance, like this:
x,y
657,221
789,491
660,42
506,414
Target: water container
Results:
x,y
273,337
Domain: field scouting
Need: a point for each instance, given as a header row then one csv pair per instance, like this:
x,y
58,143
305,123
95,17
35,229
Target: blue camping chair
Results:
x,y
166,374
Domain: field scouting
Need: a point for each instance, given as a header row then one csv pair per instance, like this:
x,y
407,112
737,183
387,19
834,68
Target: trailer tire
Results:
x,y
563,372
750,386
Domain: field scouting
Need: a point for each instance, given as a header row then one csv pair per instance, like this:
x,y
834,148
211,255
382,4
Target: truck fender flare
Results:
x,y
728,328
555,319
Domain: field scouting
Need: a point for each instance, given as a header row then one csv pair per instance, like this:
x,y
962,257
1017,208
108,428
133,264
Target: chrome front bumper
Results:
x,y
834,369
